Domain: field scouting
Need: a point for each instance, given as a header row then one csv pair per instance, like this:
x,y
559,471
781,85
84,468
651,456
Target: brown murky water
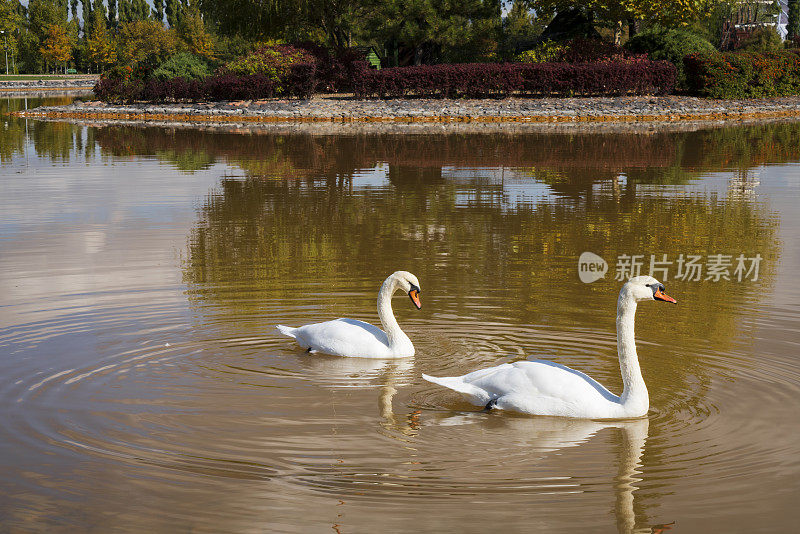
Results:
x,y
144,387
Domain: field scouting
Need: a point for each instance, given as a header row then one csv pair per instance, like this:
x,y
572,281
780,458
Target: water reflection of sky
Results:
x,y
98,221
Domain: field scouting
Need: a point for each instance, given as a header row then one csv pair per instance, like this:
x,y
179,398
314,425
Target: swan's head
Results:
x,y
647,288
408,283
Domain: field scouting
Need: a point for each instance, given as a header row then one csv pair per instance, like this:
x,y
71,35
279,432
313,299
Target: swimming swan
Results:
x,y
357,339
541,387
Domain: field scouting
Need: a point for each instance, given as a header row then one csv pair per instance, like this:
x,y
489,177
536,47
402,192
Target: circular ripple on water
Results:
x,y
250,407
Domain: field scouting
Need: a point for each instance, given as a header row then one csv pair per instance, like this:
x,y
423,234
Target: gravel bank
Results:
x,y
43,84
341,108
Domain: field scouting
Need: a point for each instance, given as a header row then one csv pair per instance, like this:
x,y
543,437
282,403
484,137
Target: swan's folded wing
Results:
x,y
561,382
343,337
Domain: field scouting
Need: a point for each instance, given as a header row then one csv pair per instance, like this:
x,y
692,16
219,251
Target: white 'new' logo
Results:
x,y
591,267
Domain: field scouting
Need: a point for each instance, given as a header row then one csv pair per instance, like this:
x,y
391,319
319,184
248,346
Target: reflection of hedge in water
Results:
x,y
271,232
647,158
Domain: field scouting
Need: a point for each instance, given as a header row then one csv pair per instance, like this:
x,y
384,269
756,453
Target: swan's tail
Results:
x,y
476,395
286,330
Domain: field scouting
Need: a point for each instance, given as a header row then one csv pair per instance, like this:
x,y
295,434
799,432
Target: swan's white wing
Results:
x,y
559,381
535,387
344,337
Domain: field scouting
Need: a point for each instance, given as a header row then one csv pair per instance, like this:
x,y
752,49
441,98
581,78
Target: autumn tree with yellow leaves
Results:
x,y
100,47
56,47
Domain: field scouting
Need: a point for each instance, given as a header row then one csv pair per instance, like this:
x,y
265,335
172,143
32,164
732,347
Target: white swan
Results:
x,y
541,387
357,339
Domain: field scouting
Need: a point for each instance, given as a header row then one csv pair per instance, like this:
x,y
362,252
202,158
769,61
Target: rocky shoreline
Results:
x,y
518,111
43,84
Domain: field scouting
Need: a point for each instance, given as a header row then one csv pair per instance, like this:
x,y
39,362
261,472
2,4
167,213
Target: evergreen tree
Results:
x,y
86,9
158,10
458,30
171,9
793,27
112,13
616,13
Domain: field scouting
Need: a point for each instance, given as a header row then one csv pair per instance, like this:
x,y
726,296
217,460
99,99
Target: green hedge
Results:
x,y
744,74
670,45
183,65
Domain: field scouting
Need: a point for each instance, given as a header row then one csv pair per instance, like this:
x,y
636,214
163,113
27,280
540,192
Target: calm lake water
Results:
x,y
145,388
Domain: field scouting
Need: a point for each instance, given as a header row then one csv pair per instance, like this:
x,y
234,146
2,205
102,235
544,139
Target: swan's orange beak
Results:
x,y
414,295
658,295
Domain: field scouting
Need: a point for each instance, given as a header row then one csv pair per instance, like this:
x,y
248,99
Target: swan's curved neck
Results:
x,y
634,396
393,332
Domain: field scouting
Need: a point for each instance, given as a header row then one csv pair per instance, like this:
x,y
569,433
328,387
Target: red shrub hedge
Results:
x,y
744,74
474,80
336,70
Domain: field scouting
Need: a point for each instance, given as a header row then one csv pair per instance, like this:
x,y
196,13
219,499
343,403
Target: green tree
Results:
x,y
250,18
454,28
793,26
193,32
615,13
100,47
86,8
112,13
158,11
145,44
131,10
171,9
42,14
10,24
521,24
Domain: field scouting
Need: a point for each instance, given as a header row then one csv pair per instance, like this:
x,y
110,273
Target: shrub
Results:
x,y
637,76
291,69
763,39
574,51
591,50
275,62
542,52
299,82
182,65
744,74
335,71
669,45
232,87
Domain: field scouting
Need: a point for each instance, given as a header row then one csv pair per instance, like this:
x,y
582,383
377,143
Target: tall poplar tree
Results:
x,y
158,11
793,27
171,9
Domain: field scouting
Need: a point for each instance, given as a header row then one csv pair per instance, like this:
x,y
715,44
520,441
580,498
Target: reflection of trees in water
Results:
x,y
570,163
556,158
312,225
267,230
323,229
55,140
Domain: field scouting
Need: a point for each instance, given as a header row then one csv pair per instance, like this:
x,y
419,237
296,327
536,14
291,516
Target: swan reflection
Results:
x,y
543,436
